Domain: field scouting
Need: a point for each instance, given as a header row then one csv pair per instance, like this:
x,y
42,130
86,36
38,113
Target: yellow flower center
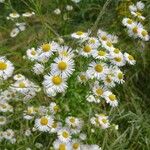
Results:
x,y
108,79
62,147
75,146
104,38
131,57
87,49
44,121
46,47
112,97
99,91
22,85
2,119
79,33
101,53
135,30
129,21
116,50
99,68
65,134
82,77
120,75
3,65
138,14
62,65
56,108
104,121
57,80
144,33
54,125
30,110
118,59
72,120
33,52
64,53
92,41
109,44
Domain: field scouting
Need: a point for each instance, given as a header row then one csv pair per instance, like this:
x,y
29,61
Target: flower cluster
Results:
x,y
135,26
19,26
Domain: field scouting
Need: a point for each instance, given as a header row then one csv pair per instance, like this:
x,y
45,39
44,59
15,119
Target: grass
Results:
x,y
133,112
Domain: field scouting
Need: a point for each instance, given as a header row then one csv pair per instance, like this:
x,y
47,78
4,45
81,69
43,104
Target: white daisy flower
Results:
x,y
14,32
6,68
111,98
96,70
69,8
8,134
100,54
90,98
109,81
28,14
56,126
44,123
82,77
63,66
118,60
14,15
143,34
72,121
65,51
2,120
132,8
46,50
54,108
50,92
76,144
138,15
103,121
55,82
128,22
140,6
32,54
119,76
29,113
94,42
79,35
38,68
5,107
129,58
64,135
19,77
59,145
57,11
107,45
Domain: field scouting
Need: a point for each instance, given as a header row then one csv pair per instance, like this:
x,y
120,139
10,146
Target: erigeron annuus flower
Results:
x,y
98,90
100,54
118,60
128,22
72,121
5,107
55,82
138,15
32,54
57,11
6,68
65,51
76,144
94,42
96,70
59,145
103,121
38,68
14,32
64,135
44,123
19,77
143,34
28,14
109,80
119,76
129,58
107,45
82,77
54,108
55,127
2,120
140,6
46,50
8,134
111,99
115,52
14,15
63,66
90,98
80,35
29,113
